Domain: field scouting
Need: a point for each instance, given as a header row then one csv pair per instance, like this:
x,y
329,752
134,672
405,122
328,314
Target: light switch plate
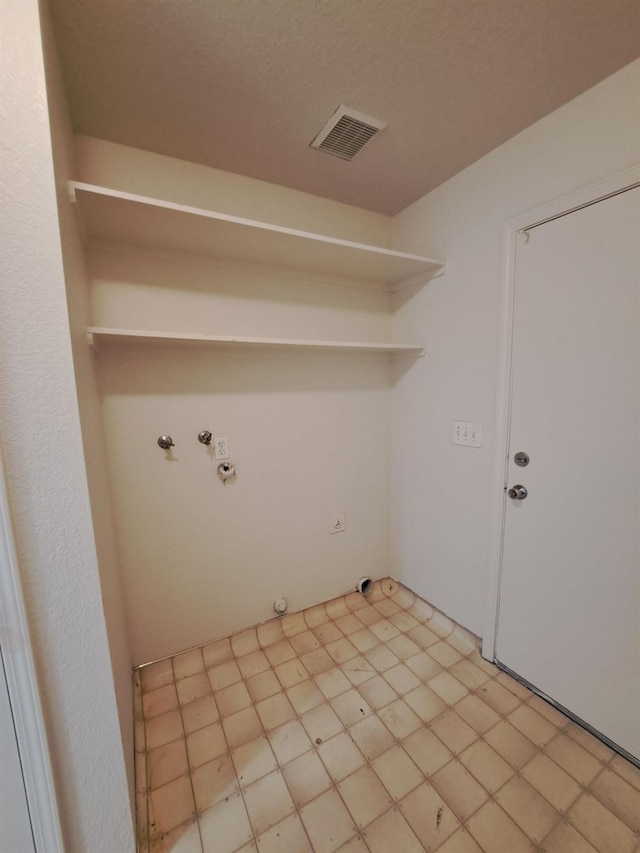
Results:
x,y
467,433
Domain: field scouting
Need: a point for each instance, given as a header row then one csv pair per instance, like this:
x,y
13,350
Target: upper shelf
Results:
x,y
110,214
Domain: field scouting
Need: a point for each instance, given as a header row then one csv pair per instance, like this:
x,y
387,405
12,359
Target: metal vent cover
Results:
x,y
347,132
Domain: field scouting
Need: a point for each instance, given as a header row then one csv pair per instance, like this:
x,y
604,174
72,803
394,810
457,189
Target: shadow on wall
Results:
x,y
183,371
117,270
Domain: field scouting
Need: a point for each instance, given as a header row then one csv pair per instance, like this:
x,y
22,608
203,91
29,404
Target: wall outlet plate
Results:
x,y
337,522
221,448
467,433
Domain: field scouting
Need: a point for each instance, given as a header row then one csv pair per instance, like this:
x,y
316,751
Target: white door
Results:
x,y
15,832
569,610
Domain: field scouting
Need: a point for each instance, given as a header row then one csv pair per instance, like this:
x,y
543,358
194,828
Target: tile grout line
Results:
x,y
561,816
243,681
480,736
229,753
139,716
346,730
190,769
564,819
229,750
395,804
313,750
326,701
187,773
538,751
266,732
367,761
297,717
311,624
186,749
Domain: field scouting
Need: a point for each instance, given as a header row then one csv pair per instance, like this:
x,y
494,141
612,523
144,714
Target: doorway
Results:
x,y
569,600
28,808
14,811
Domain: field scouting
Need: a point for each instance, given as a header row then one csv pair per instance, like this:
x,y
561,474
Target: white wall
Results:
x,y
309,434
442,494
135,171
77,284
42,444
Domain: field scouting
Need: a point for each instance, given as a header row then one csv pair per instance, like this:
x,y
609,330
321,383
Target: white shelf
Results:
x,y
111,215
98,336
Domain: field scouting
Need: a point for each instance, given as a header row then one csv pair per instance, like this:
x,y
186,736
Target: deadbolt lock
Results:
x,y
521,459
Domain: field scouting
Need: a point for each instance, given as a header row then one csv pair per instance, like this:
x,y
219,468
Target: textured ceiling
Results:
x,y
245,85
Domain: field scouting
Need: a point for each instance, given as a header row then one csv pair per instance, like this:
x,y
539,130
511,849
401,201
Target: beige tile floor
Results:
x,y
366,725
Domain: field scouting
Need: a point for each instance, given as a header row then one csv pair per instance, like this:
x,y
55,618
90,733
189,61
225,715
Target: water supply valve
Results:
x,y
226,471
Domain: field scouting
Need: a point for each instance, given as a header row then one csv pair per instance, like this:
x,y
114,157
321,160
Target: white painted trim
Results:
x,y
523,221
501,431
23,692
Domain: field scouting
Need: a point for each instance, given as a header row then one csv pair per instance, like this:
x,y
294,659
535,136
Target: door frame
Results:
x,y
561,206
22,684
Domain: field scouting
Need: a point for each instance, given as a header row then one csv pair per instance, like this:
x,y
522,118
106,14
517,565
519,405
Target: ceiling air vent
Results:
x,y
347,132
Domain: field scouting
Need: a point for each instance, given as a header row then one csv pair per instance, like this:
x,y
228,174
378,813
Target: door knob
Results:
x,y
518,493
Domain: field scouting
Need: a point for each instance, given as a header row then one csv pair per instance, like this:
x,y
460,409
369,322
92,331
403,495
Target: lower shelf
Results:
x,y
98,336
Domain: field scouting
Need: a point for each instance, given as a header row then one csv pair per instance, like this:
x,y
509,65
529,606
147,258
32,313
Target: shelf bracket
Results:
x,y
417,280
398,356
72,193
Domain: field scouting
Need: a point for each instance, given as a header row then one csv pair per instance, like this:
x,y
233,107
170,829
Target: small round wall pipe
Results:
x,y
364,585
226,471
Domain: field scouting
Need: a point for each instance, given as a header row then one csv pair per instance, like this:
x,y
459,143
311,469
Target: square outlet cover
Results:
x,y
337,522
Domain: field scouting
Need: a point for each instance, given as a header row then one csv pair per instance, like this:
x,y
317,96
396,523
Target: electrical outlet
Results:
x,y
337,522
221,447
467,433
